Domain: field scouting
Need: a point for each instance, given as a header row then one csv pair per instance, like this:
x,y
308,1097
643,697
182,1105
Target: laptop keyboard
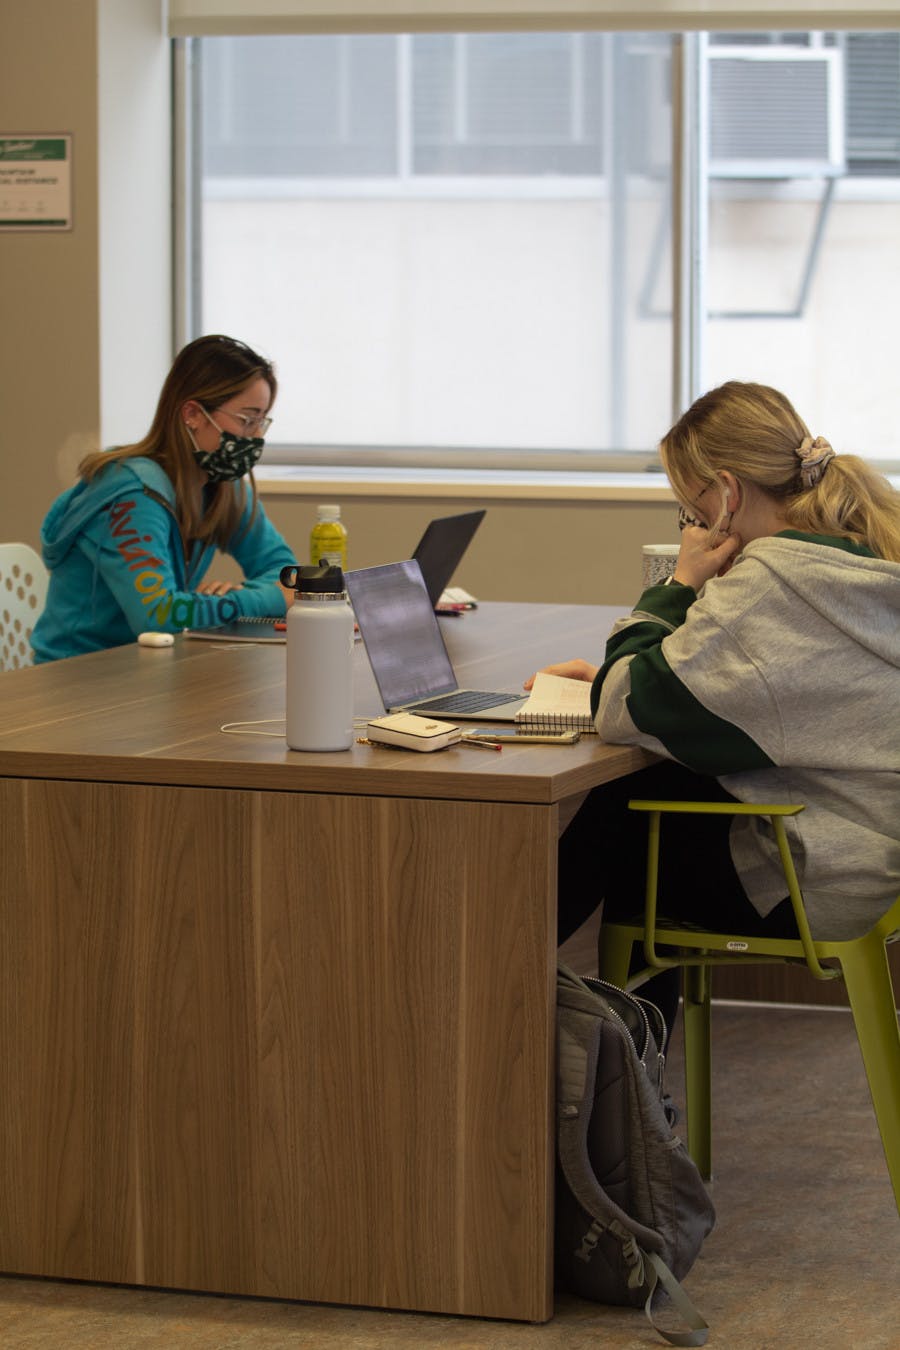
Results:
x,y
469,700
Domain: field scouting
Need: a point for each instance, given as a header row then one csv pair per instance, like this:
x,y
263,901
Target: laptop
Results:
x,y
439,552
406,650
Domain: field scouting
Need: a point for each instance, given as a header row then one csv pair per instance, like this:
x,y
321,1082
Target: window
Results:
x,y
441,239
801,266
457,248
295,108
345,107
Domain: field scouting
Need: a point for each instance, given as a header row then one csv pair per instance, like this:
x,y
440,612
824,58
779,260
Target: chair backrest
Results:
x,y
23,590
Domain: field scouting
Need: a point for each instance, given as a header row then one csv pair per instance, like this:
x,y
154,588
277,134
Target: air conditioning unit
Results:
x,y
775,112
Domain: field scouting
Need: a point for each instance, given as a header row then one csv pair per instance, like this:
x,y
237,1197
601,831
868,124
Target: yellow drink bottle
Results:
x,y
328,540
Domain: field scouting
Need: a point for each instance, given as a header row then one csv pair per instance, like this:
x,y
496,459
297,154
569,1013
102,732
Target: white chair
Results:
x,y
23,590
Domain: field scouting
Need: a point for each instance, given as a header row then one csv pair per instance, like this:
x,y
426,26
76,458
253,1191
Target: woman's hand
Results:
x,y
288,594
569,670
218,587
702,558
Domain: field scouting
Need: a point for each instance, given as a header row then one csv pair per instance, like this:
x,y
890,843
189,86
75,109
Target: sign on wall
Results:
x,y
36,182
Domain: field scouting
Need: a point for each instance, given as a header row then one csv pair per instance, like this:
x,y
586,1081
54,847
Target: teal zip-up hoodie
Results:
x,y
117,565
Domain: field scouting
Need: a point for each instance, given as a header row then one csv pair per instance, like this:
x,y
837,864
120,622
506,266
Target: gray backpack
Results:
x,y
631,1208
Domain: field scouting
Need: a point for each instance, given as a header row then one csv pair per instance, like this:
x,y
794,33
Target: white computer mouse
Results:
x,y
155,639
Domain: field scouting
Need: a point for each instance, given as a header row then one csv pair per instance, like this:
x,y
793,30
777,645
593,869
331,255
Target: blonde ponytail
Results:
x,y
754,432
852,501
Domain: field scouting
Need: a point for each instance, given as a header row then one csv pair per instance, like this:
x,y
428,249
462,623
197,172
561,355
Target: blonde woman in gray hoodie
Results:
x,y
766,669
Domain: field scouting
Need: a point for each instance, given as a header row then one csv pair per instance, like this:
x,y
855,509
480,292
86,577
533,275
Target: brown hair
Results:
x,y
755,432
208,370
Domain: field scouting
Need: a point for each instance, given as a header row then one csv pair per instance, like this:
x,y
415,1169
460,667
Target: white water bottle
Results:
x,y
319,688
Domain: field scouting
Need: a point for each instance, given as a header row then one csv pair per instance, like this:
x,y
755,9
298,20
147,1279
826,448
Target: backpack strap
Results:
x,y
578,1043
698,1329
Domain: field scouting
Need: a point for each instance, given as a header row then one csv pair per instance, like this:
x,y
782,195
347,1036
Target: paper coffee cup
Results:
x,y
658,562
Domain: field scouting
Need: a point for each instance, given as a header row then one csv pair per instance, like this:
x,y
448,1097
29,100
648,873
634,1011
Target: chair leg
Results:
x,y
614,956
698,1066
868,979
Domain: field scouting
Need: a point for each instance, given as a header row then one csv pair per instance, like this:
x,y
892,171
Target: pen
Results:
x,y
463,740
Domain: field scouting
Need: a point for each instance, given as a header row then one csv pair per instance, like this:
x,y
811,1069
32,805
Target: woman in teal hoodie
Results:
x,y
129,546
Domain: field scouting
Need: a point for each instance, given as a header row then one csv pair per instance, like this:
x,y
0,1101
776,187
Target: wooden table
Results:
x,y
277,1023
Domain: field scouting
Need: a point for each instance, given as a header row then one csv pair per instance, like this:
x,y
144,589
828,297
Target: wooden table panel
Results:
x,y
416,971
295,1046
66,993
196,1036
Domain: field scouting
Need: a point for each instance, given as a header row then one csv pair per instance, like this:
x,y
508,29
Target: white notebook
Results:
x,y
556,702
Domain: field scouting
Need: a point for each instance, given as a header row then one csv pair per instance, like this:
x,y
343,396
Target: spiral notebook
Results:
x,y
244,629
556,703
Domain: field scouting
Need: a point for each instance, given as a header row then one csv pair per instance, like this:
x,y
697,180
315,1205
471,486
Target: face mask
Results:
x,y
234,457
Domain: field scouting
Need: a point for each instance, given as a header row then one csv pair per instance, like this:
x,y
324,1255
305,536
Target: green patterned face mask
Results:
x,y
233,457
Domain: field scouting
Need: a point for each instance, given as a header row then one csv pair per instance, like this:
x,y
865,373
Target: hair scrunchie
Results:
x,y
814,456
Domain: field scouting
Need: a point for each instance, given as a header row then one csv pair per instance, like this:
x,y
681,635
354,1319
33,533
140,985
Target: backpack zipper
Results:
x,y
592,981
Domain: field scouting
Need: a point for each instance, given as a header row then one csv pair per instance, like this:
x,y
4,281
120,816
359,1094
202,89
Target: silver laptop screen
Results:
x,y
403,641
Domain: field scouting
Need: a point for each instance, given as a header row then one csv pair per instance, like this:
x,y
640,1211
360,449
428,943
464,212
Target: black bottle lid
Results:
x,y
314,579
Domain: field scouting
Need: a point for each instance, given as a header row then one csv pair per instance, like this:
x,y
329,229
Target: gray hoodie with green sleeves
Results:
x,y
782,680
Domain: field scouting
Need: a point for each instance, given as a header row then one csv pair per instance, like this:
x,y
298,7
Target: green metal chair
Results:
x,y
862,963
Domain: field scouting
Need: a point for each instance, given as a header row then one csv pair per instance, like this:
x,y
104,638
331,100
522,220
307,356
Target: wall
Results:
x,y
85,340
135,219
585,552
49,338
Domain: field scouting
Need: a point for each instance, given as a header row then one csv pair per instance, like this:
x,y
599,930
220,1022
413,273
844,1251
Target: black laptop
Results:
x,y
406,649
440,550
438,553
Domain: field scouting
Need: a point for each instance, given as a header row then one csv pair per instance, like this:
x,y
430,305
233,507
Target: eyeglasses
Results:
x,y
259,423
684,515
